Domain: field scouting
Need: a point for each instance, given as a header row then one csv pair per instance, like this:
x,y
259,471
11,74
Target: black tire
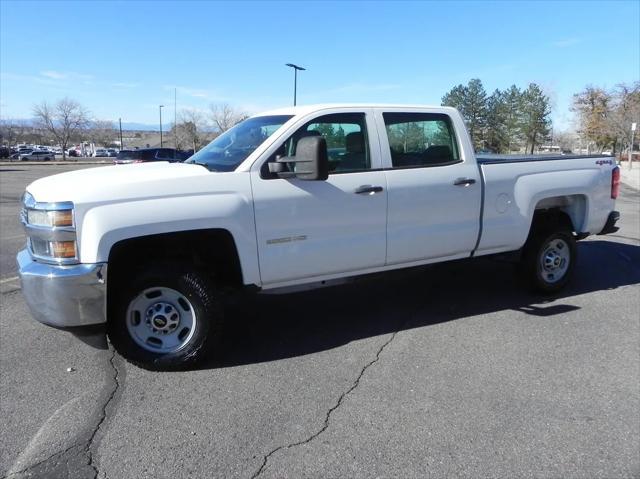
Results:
x,y
204,303
548,247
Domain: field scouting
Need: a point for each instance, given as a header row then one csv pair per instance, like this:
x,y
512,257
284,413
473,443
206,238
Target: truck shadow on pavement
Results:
x,y
272,327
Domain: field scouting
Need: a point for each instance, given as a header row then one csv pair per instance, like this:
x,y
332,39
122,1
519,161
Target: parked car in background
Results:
x,y
73,152
5,152
144,155
38,155
16,152
112,152
100,153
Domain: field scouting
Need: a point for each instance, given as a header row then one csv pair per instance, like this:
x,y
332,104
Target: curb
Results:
x,y
630,176
54,163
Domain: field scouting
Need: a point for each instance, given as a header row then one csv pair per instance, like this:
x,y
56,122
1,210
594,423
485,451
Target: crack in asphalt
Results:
x,y
103,417
327,418
86,447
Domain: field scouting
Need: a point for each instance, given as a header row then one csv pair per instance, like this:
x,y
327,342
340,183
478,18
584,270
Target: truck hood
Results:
x,y
95,185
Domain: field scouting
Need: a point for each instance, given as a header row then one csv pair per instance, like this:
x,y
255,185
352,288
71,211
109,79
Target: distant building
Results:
x,y
549,149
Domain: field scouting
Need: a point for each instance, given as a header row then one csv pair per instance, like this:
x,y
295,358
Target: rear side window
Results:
x,y
165,154
148,155
420,139
129,155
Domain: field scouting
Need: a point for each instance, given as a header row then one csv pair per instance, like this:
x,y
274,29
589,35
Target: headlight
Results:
x,y
51,235
56,250
51,219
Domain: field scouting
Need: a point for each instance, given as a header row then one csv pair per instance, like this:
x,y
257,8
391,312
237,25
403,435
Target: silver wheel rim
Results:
x,y
554,260
161,320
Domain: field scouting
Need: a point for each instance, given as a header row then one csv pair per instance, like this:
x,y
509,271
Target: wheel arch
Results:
x,y
568,210
213,251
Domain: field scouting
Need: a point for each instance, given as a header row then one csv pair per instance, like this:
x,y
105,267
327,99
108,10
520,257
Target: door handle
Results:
x,y
368,190
464,181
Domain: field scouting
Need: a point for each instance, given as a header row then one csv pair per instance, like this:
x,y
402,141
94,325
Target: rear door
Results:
x,y
433,192
315,228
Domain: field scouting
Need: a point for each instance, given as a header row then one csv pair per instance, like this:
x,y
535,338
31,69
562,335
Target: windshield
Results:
x,y
231,148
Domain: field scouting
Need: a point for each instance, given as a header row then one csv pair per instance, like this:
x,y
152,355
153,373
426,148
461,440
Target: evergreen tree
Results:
x,y
471,101
512,104
456,98
535,116
339,136
496,138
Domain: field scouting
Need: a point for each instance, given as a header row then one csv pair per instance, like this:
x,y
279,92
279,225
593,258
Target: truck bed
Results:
x,y
487,159
516,185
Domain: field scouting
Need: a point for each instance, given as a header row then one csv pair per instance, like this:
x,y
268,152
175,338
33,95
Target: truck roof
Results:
x,y
304,109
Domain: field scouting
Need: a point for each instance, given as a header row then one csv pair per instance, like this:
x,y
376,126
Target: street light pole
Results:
x,y
120,122
633,131
160,108
295,79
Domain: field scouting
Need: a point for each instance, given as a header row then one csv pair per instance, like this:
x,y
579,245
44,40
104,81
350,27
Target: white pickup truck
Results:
x,y
290,197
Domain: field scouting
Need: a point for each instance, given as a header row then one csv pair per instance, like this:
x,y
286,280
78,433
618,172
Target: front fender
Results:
x,y
104,225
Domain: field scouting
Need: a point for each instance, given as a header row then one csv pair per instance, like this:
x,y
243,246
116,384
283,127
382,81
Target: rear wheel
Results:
x,y
548,260
169,317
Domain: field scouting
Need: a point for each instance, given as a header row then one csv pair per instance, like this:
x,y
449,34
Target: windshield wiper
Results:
x,y
200,164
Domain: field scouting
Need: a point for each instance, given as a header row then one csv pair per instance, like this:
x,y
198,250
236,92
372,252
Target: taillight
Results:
x,y
615,182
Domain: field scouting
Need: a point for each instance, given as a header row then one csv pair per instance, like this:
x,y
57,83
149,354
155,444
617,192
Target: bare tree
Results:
x,y
62,120
566,140
102,133
593,107
190,130
626,110
225,116
13,132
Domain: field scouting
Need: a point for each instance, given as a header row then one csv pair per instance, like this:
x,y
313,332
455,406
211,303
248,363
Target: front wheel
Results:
x,y
548,260
169,317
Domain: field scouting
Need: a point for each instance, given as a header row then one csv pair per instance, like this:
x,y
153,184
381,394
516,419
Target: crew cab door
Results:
x,y
314,228
434,192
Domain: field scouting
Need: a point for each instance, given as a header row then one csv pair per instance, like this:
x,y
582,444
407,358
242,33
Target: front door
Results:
x,y
307,229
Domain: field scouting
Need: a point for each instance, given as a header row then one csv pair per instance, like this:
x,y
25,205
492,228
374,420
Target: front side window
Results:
x,y
346,137
420,139
227,151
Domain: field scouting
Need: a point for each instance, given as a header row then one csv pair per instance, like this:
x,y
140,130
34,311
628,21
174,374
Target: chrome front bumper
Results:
x,y
64,296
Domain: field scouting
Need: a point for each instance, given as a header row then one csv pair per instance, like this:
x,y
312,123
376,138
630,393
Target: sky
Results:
x,y
123,59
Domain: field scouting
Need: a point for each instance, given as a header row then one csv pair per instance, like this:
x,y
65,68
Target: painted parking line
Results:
x,y
8,280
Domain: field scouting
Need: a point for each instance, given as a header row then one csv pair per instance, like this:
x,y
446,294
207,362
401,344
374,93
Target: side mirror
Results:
x,y
311,160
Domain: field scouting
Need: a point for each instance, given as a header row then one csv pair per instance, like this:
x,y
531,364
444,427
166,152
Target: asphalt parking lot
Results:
x,y
447,371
